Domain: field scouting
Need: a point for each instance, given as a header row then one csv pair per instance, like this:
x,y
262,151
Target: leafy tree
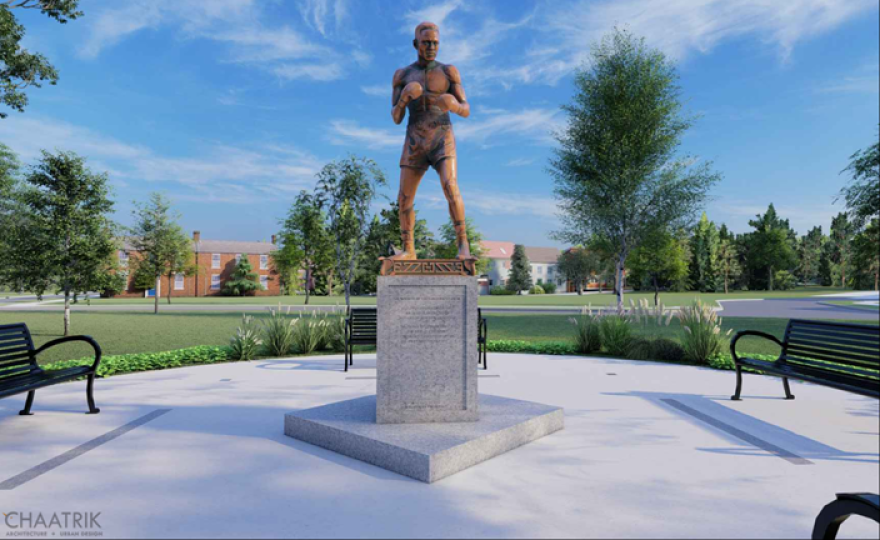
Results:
x,y
182,260
862,195
447,248
704,262
347,189
866,257
616,170
304,232
660,259
158,239
243,280
19,68
383,233
728,262
829,272
577,265
809,250
769,248
10,169
842,232
287,262
63,237
520,277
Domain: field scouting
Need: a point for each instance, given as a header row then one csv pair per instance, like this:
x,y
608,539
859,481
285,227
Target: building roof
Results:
x,y
222,246
504,250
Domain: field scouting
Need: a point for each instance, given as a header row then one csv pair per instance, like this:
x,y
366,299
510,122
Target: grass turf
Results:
x,y
123,333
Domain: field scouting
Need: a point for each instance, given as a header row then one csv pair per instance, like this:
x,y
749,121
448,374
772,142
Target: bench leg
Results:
x,y
27,404
90,395
739,384
835,513
788,394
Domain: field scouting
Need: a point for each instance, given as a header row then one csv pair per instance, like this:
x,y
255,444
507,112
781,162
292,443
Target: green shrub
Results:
x,y
246,342
129,363
540,347
616,334
725,361
278,332
588,335
498,290
666,350
783,280
334,336
309,333
549,288
702,338
536,289
640,349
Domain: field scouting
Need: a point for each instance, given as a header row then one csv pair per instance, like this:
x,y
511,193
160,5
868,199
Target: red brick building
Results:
x,y
215,260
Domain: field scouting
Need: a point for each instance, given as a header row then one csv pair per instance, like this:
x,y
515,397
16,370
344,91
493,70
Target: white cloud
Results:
x,y
492,204
436,14
347,132
317,72
377,90
264,170
536,124
319,14
520,162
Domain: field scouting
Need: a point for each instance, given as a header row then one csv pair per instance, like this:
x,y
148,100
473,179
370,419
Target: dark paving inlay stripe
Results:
x,y
58,461
739,434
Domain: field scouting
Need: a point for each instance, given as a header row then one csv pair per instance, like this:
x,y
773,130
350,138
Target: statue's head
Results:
x,y
427,41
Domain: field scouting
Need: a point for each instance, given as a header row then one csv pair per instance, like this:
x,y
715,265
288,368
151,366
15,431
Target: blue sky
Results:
x,y
230,107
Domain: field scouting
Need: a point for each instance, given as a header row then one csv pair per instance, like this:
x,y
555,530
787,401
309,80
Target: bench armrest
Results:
x,y
87,339
753,333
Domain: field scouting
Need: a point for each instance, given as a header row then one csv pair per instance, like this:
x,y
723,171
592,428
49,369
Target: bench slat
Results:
x,y
834,325
9,359
866,355
856,346
12,335
869,337
861,386
835,368
845,361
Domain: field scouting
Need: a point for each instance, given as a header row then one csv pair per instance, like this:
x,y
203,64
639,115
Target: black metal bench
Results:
x,y
847,504
838,355
19,372
360,329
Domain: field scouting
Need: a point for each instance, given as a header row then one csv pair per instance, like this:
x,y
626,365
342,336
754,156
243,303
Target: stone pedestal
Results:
x,y
426,359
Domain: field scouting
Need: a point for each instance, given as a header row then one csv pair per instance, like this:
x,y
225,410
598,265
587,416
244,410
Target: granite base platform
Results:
x,y
426,452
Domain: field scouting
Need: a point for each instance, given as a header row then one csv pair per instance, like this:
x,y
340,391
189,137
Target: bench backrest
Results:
x,y
363,325
841,349
16,351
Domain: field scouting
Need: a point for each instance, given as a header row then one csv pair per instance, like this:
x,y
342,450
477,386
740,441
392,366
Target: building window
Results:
x,y
215,281
123,259
264,262
264,281
215,260
238,258
178,282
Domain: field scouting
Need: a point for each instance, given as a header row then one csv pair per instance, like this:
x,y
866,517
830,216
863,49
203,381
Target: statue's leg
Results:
x,y
448,171
409,184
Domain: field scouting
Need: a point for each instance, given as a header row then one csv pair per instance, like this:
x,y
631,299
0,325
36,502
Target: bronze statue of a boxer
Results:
x,y
430,91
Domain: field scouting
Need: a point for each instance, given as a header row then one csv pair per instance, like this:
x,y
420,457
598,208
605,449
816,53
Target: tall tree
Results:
x,y
769,247
809,250
519,278
862,195
577,265
158,239
616,170
10,169
304,231
660,260
287,262
63,239
728,261
347,188
182,260
842,232
866,257
704,261
447,248
20,69
243,280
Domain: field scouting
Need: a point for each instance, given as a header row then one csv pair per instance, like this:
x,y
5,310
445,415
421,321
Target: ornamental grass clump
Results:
x,y
308,333
616,334
246,342
278,332
702,338
588,335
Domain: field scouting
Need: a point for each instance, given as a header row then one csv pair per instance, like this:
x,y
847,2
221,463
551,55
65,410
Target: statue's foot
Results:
x,y
464,254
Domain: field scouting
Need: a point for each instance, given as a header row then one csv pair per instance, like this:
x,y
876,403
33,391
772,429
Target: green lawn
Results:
x,y
120,333
853,304
545,300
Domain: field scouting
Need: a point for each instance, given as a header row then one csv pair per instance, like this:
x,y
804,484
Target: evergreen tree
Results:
x,y
519,278
243,280
769,248
577,265
809,251
704,261
862,195
866,257
660,260
728,262
841,238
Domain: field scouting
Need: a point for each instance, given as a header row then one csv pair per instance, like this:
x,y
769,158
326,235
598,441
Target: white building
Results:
x,y
541,259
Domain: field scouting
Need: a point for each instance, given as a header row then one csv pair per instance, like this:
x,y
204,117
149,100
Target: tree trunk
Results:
x,y
877,280
619,284
656,291
170,288
726,279
308,281
843,276
770,278
330,283
66,312
156,294
579,286
347,295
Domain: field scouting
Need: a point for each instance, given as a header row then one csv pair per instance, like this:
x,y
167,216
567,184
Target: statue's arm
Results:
x,y
398,108
457,90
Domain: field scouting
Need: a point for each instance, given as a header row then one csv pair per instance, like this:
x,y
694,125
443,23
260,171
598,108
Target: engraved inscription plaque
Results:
x,y
426,349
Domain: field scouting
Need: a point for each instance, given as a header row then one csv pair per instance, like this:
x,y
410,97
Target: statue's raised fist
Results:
x,y
410,92
447,102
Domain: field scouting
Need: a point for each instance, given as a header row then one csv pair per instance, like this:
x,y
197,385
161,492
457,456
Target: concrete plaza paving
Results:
x,y
648,450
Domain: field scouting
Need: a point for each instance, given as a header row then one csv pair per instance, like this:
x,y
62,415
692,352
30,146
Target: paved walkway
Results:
x,y
649,450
